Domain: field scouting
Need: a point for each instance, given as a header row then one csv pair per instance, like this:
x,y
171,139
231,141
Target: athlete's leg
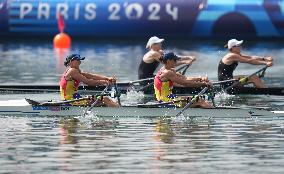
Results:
x,y
257,81
109,102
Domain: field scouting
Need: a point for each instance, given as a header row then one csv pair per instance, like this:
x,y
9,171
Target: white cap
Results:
x,y
153,40
234,42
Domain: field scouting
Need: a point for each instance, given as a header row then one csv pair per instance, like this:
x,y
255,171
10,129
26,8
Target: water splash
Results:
x,y
133,97
222,98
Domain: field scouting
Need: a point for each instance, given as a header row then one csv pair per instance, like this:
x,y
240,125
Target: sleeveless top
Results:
x,y
225,72
163,89
146,70
68,88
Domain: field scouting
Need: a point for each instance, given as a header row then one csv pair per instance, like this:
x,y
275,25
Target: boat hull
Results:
x,y
124,87
132,111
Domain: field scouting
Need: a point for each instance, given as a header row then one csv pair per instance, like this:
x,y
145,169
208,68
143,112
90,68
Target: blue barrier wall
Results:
x,y
185,18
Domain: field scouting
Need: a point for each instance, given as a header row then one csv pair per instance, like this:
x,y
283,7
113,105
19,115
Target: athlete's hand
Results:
x,y
203,79
111,80
269,64
189,60
161,52
192,58
208,84
268,59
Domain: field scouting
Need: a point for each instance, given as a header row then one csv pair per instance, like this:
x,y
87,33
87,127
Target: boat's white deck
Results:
x,y
21,102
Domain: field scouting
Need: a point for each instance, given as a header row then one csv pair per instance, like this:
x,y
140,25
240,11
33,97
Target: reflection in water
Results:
x,y
68,129
60,55
164,131
151,145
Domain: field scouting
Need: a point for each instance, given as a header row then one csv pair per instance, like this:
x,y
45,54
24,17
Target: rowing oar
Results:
x,y
152,78
244,80
193,100
117,94
96,101
185,67
224,81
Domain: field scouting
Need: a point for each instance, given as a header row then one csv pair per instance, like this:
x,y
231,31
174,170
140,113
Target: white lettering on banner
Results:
x,y
43,10
114,9
62,8
134,11
91,11
154,9
25,8
77,11
172,11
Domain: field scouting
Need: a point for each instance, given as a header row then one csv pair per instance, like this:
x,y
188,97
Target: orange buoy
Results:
x,y
62,40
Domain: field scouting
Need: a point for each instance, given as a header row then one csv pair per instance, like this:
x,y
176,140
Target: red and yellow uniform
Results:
x,y
163,89
69,88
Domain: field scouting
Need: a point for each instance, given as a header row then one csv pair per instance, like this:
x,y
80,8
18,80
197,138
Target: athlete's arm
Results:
x,y
267,58
185,60
250,59
182,80
75,74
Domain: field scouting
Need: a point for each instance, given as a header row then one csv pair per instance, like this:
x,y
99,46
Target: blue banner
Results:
x,y
107,18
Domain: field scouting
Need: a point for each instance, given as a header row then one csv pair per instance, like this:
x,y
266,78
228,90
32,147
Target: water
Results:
x,y
58,145
137,145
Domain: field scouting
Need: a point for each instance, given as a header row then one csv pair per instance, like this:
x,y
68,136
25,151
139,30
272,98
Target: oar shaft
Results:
x,y
141,80
150,84
224,81
152,78
182,67
192,101
117,93
245,78
97,100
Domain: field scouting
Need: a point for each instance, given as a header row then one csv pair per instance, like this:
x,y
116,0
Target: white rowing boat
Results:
x,y
22,107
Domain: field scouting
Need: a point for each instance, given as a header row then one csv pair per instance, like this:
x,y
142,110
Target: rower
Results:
x,y
230,61
167,77
151,59
71,78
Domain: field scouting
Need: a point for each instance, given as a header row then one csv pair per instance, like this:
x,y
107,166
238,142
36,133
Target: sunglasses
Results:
x,y
237,46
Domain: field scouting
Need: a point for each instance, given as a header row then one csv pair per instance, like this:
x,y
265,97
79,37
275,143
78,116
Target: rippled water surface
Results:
x,y
46,145
137,145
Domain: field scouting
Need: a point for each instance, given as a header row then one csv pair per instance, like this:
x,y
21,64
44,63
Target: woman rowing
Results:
x,y
230,61
71,78
151,59
167,77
